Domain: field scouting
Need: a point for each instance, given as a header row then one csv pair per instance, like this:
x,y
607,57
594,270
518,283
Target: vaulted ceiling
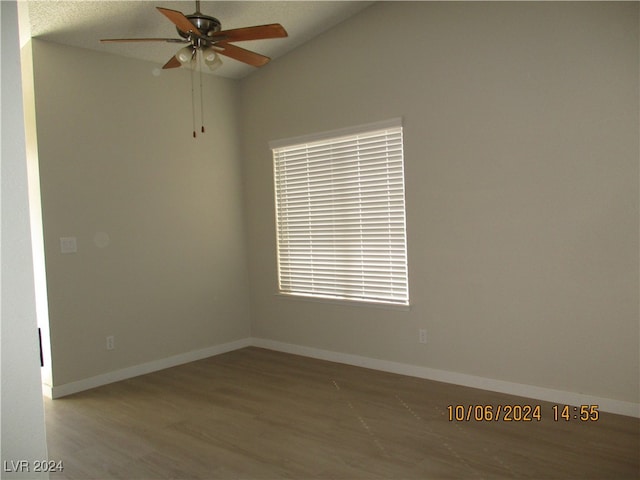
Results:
x,y
84,23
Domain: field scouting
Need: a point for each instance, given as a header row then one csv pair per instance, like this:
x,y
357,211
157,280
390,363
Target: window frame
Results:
x,y
385,300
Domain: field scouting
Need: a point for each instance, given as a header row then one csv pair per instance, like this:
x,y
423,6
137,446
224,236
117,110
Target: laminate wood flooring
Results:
x,y
259,414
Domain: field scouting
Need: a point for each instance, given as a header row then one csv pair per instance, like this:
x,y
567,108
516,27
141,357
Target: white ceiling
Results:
x,y
83,23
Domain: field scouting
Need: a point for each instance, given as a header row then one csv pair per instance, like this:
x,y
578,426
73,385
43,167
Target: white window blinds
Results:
x,y
340,215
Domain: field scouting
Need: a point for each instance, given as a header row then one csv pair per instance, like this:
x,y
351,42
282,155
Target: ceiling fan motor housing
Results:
x,y
206,24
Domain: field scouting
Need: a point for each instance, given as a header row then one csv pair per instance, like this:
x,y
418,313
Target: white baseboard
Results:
x,y
529,391
58,391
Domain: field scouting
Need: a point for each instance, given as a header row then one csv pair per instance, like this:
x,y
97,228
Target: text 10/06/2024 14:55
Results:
x,y
521,413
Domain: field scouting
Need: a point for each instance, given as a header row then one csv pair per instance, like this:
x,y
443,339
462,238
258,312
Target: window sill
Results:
x,y
344,302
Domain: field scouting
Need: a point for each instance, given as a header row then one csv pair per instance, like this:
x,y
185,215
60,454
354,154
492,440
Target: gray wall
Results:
x,y
521,151
117,157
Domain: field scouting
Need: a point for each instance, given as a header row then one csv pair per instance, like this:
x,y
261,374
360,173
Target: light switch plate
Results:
x,y
68,245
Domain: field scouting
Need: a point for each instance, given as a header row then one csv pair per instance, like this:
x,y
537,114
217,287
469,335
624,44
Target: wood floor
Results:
x,y
258,414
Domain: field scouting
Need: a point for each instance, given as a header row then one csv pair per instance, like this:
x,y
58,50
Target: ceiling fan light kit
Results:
x,y
204,35
186,54
211,58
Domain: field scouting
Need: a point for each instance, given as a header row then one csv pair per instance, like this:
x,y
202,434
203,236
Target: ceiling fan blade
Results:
x,y
173,63
170,40
180,21
259,32
237,53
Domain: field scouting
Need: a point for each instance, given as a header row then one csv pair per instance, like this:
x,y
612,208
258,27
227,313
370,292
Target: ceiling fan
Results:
x,y
203,34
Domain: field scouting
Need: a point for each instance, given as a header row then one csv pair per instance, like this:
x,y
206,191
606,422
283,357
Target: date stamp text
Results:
x,y
521,413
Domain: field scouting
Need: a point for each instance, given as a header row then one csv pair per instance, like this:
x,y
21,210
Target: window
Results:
x,y
340,215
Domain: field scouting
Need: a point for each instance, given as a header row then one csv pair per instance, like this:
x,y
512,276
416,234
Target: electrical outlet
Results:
x,y
422,335
111,342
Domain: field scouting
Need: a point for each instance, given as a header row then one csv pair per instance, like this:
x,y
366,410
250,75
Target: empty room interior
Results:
x,y
407,246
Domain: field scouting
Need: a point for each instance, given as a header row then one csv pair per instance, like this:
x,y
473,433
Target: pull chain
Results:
x,y
193,105
196,63
201,94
